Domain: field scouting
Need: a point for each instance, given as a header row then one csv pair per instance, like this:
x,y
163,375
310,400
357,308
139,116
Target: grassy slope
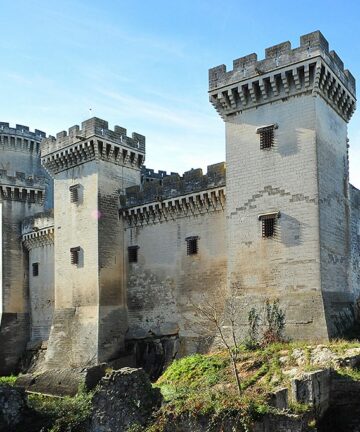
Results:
x,y
204,384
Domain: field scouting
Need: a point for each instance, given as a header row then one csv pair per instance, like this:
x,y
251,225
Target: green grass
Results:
x,y
11,379
353,374
205,384
63,413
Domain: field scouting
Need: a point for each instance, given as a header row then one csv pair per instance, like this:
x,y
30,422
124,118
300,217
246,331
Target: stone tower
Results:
x,y
25,189
91,167
287,183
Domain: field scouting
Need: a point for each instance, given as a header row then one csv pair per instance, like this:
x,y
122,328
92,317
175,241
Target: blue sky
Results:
x,y
143,64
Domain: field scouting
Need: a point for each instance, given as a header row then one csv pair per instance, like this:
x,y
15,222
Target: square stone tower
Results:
x,y
287,183
92,167
25,189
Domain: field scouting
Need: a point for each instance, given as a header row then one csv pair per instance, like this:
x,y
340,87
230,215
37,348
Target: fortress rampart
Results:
x,y
283,73
20,139
173,185
94,141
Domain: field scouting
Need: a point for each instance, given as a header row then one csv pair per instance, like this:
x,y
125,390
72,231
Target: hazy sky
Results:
x,y
143,64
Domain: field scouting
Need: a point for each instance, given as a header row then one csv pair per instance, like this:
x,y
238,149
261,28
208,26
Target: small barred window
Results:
x,y
35,269
268,227
269,224
192,245
266,136
74,193
75,255
133,254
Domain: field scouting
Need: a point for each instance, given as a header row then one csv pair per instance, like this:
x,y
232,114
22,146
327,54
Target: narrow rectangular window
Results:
x,y
75,255
133,254
35,269
266,136
74,193
268,227
192,245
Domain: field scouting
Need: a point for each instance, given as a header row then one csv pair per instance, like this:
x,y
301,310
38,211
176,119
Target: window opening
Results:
x,y
133,254
74,193
269,224
268,227
35,269
75,255
192,245
267,136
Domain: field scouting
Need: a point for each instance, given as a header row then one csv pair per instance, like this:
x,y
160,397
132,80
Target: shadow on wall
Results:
x,y
288,147
154,354
290,231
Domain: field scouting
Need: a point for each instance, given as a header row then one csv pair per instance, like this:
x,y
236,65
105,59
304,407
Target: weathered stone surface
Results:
x,y
313,388
233,423
13,407
62,382
124,398
279,399
343,414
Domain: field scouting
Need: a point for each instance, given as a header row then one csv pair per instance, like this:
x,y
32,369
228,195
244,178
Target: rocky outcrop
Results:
x,y
13,408
124,398
62,382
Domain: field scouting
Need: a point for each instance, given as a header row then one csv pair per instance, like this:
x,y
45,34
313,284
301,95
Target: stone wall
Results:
x,y
38,239
334,217
355,245
165,283
282,179
14,329
90,317
306,97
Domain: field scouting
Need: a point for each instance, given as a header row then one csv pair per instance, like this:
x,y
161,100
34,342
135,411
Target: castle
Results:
x,y
119,262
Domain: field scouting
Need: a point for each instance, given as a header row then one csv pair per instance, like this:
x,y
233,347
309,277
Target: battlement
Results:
x,y
38,230
284,72
21,179
89,128
174,185
94,141
311,45
20,138
22,131
148,174
38,222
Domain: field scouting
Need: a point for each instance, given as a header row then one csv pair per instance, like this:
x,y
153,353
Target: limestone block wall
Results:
x,y
282,179
113,322
73,337
14,328
166,282
38,239
90,317
306,96
355,244
20,159
334,217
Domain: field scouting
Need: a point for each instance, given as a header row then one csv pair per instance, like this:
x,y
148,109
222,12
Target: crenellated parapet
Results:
x,y
149,175
188,205
93,141
20,138
174,185
22,187
285,72
192,194
38,230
